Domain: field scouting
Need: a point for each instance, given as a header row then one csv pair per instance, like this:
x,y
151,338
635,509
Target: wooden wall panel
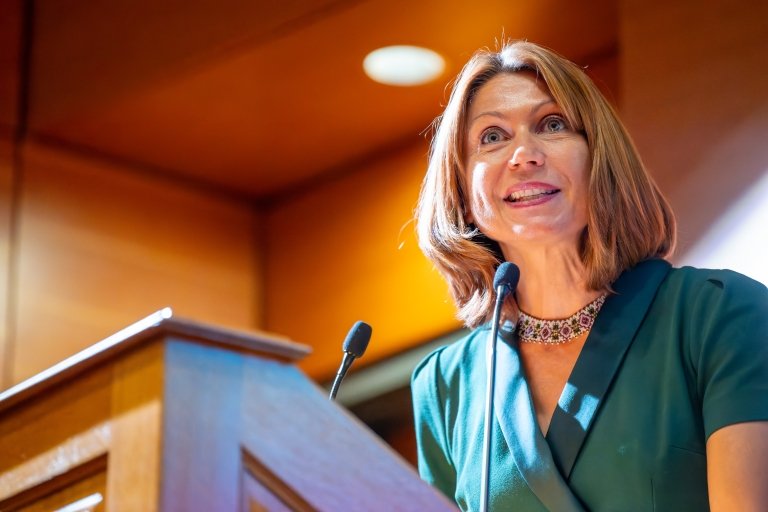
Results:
x,y
101,246
694,98
345,252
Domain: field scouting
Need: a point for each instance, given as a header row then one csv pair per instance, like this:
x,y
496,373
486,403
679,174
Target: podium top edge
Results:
x,y
160,324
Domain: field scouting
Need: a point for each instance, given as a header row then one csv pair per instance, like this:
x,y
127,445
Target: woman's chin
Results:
x,y
540,237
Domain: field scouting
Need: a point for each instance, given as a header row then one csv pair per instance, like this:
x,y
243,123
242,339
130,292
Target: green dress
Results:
x,y
674,355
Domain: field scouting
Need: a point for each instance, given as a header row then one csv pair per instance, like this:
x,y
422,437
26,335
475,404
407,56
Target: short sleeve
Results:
x,y
730,349
435,465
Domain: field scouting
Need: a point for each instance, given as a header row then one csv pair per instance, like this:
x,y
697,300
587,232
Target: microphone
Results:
x,y
504,282
354,346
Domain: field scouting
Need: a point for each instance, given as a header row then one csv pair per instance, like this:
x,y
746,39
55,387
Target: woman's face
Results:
x,y
526,168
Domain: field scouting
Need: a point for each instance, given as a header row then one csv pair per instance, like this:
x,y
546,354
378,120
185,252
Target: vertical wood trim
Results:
x,y
8,304
133,474
7,192
201,452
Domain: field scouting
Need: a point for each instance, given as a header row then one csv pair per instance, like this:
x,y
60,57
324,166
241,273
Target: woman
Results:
x,y
652,393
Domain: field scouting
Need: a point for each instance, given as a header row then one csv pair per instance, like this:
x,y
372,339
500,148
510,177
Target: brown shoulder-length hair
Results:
x,y
628,218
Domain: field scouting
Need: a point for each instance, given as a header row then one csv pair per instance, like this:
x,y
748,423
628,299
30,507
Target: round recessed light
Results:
x,y
403,65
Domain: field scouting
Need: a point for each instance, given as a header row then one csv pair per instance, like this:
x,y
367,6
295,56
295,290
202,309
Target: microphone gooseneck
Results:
x,y
354,346
504,282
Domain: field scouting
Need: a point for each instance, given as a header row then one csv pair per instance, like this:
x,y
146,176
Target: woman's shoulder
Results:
x,y
716,308
722,317
716,276
454,358
704,283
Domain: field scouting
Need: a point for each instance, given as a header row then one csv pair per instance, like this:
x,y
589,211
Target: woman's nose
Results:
x,y
526,153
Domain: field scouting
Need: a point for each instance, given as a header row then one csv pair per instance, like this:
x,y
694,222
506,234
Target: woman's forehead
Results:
x,y
507,91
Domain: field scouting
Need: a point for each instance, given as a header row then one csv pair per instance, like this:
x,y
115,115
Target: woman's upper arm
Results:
x,y
730,333
434,463
737,467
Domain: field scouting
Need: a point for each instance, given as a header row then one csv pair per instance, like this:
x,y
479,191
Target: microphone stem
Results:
x,y
346,362
501,292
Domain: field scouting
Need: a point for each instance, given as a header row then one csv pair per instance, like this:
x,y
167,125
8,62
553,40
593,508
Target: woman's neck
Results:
x,y
553,282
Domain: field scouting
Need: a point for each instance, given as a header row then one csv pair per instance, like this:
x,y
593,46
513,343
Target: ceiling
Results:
x,y
260,97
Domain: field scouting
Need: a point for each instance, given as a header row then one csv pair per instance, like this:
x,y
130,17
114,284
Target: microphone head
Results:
x,y
357,339
507,275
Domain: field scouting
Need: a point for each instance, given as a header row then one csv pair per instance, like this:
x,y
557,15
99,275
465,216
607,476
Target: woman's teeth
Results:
x,y
528,195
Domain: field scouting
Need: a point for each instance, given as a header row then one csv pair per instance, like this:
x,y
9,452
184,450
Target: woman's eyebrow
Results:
x,y
491,113
501,115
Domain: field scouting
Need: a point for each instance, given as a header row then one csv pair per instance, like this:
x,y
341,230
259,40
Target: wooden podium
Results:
x,y
172,415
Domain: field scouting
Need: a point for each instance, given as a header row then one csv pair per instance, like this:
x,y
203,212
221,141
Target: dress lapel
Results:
x,y
600,358
515,414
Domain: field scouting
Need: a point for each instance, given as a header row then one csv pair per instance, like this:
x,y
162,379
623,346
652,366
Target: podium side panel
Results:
x,y
328,456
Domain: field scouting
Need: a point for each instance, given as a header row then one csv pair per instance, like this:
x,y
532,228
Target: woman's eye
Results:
x,y
491,136
554,124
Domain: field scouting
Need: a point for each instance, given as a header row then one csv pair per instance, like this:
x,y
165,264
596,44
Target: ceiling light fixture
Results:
x,y
403,65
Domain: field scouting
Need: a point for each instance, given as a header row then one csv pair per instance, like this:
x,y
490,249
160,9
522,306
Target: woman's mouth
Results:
x,y
530,195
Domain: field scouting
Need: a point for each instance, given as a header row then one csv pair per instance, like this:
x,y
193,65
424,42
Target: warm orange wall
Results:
x,y
695,97
604,71
101,246
346,251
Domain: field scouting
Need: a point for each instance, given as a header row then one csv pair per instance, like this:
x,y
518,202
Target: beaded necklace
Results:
x,y
554,332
